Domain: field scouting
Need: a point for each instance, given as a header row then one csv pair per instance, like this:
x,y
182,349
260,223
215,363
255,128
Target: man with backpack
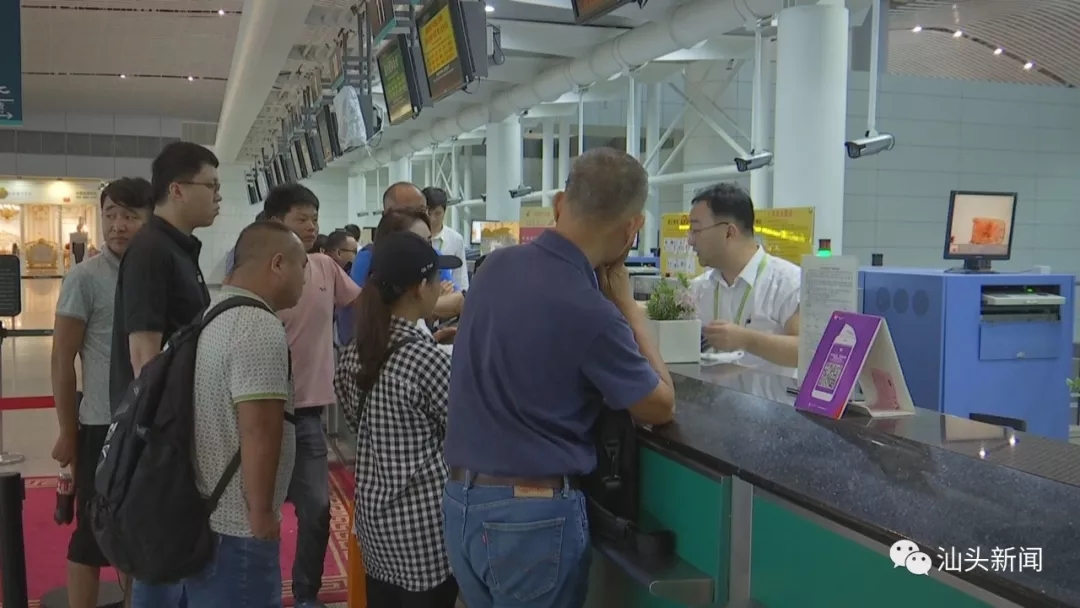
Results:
x,y
199,455
520,441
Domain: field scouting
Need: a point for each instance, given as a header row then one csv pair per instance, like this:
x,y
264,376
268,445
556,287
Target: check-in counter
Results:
x,y
777,508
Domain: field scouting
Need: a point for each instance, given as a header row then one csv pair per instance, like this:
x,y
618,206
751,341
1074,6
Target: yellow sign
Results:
x,y
496,235
537,217
438,43
786,233
676,255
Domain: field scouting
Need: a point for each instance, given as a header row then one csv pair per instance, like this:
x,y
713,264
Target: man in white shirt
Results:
x,y
445,239
747,300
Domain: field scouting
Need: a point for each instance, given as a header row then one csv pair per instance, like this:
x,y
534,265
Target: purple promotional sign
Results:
x,y
838,360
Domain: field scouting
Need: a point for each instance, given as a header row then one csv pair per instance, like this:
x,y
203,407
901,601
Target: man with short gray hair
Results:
x,y
540,318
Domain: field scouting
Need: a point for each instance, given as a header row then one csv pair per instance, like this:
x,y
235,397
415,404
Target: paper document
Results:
x,y
828,285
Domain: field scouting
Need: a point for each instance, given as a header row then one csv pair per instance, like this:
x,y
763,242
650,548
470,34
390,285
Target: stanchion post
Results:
x,y
6,458
12,548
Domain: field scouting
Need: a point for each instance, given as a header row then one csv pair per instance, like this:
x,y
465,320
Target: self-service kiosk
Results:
x,y
981,343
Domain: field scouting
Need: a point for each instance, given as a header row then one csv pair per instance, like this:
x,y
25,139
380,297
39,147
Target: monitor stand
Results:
x,y
974,266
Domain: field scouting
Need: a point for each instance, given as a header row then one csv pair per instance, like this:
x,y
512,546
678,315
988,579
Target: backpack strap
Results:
x,y
234,464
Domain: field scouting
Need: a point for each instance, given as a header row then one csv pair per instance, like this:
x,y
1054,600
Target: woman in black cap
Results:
x,y
393,382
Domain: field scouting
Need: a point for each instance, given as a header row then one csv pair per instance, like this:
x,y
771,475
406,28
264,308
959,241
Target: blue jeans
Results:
x,y
244,572
309,492
517,552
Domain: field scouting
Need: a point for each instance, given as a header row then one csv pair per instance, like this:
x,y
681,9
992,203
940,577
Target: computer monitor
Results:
x,y
980,228
477,229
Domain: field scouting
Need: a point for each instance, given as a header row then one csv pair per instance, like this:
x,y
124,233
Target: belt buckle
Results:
x,y
533,492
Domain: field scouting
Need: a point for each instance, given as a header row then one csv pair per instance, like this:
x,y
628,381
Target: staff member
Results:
x,y
747,300
520,413
445,239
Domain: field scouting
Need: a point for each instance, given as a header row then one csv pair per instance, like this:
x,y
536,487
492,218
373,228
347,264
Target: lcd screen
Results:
x,y
324,137
268,175
587,10
314,152
280,177
301,158
395,81
380,14
332,131
439,43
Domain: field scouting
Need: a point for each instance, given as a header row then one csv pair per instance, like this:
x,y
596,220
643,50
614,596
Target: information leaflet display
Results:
x,y
440,38
394,72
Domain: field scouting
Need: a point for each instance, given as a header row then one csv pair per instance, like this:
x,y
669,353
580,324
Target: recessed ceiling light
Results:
x,y
1029,65
123,75
999,51
917,29
957,34
221,12
775,22
190,78
489,8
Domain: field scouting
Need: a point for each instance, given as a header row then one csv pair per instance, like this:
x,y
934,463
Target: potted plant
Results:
x,y
673,321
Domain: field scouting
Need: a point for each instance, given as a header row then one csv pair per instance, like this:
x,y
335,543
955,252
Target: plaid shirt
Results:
x,y
400,471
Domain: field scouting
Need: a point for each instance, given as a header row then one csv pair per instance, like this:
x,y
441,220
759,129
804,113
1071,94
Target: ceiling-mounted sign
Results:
x,y
380,16
49,191
11,108
588,10
439,39
397,90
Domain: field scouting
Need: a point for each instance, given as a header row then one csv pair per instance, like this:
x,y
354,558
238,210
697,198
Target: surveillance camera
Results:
x,y
869,145
755,160
521,191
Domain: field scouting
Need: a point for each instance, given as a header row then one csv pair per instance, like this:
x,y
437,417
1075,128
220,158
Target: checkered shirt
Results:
x,y
400,471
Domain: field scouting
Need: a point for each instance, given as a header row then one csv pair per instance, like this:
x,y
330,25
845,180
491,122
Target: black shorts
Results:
x,y
386,595
83,548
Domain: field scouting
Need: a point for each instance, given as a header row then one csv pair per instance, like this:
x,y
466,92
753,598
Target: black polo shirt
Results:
x,y
160,289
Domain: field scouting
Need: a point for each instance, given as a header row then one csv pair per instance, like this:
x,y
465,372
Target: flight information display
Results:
x,y
587,10
395,83
439,43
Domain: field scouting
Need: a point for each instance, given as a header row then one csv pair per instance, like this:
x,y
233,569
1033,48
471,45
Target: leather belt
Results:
x,y
554,482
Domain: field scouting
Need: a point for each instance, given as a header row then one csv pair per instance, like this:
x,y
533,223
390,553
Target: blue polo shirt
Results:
x,y
360,267
536,334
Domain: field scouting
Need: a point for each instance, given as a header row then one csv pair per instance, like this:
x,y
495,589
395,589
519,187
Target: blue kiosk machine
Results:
x,y
977,343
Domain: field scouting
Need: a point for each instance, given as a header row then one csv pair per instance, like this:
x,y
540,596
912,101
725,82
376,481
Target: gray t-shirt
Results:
x,y
87,294
243,356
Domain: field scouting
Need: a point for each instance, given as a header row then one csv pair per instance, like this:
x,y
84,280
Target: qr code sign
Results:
x,y
830,375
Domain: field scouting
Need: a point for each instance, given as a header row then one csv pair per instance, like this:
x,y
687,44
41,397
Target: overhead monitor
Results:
x,y
380,17
590,10
260,187
398,75
314,148
301,158
253,196
980,227
445,51
323,127
280,176
268,177
332,131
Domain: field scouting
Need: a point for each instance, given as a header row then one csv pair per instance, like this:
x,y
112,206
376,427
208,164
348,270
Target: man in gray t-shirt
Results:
x,y
83,328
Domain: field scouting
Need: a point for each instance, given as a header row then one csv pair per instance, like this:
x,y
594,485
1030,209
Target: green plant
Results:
x,y
1074,385
671,300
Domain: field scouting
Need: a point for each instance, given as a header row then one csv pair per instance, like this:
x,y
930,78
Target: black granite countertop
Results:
x,y
939,481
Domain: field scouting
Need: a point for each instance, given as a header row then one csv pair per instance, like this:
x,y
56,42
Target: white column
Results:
x,y
547,159
466,175
564,152
653,118
504,157
762,119
357,197
811,110
401,170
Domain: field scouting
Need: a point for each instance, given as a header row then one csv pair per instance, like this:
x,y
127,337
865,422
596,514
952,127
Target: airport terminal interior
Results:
x,y
915,162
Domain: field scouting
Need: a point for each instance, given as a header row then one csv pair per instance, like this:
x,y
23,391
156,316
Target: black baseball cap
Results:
x,y
403,259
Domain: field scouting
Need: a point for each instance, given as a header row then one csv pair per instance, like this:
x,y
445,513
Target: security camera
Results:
x,y
521,191
755,160
869,145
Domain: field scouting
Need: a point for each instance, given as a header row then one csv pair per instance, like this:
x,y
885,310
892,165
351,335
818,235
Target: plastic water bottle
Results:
x,y
65,498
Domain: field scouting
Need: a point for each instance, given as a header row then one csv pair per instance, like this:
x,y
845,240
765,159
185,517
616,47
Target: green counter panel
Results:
x,y
798,563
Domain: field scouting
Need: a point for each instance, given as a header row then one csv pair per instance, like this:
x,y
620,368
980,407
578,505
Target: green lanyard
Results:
x,y
745,297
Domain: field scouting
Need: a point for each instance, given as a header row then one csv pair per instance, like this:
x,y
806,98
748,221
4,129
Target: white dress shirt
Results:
x,y
774,298
450,242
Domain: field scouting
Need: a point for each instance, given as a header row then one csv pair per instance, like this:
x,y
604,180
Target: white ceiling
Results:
x,y
74,50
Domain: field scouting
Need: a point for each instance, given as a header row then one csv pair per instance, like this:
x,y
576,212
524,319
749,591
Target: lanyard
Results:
x,y
745,297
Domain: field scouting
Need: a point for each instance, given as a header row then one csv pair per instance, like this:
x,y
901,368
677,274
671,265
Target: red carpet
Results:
x,y
46,543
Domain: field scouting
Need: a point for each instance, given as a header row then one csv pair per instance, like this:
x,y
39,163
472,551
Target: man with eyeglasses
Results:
x,y
747,300
342,248
160,287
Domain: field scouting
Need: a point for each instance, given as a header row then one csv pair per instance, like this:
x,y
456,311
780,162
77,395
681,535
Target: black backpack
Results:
x,y
149,517
612,489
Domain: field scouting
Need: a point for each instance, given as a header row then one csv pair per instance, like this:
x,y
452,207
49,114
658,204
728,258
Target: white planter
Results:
x,y
679,341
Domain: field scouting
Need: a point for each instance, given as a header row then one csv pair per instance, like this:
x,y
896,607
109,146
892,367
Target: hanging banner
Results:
x,y
676,255
49,191
11,108
534,221
786,233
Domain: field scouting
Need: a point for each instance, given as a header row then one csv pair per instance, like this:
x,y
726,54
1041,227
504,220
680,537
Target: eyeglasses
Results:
x,y
697,231
214,186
